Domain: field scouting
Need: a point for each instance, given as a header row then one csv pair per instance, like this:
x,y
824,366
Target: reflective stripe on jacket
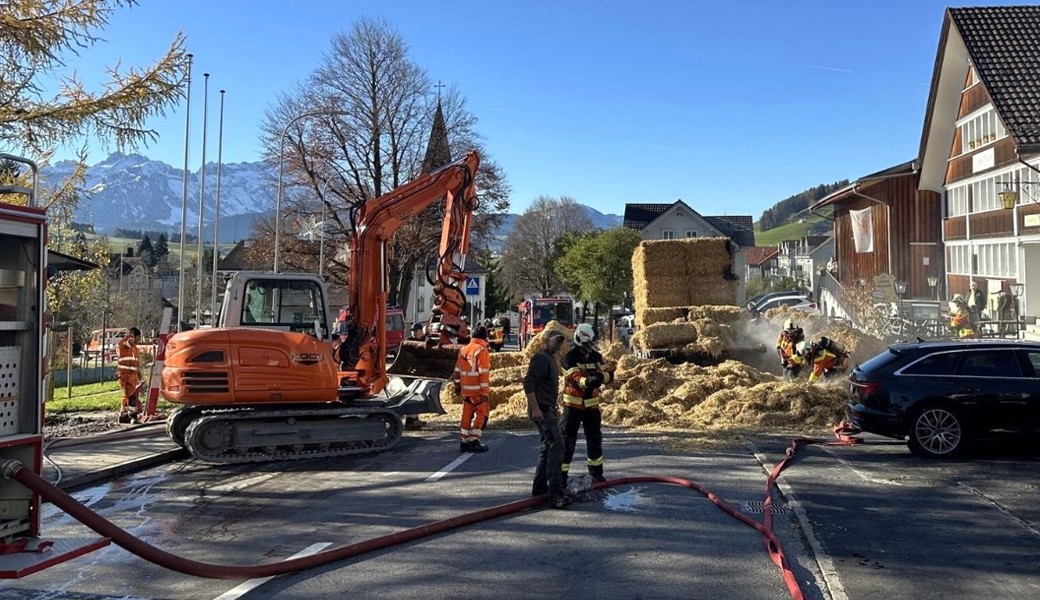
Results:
x,y
473,368
822,361
129,363
577,366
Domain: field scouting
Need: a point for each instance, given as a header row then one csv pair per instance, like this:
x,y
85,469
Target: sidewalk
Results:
x,y
74,463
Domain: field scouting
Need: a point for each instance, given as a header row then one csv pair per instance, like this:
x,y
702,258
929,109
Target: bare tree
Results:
x,y
532,248
377,108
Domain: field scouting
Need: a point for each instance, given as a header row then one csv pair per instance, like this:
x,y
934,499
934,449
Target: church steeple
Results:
x,y
438,153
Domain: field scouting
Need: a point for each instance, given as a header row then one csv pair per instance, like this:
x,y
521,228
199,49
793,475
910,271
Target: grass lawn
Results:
x,y
790,231
93,397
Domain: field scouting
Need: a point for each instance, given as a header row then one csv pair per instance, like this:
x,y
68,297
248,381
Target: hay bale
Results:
x,y
664,335
507,375
669,273
727,315
537,341
503,395
666,314
501,360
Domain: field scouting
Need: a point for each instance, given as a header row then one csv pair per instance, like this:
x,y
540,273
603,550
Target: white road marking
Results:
x,y
448,469
251,584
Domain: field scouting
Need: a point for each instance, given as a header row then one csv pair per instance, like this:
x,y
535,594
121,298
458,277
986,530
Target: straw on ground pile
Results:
x,y
683,302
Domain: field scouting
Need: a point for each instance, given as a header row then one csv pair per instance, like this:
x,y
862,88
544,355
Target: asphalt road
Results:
x,y
641,541
868,521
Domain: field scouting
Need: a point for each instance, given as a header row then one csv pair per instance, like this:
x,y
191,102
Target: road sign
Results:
x,y
472,286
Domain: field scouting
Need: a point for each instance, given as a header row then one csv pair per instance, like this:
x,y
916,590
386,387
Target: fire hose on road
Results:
x,y
13,469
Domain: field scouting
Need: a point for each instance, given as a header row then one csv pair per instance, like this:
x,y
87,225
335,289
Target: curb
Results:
x,y
78,482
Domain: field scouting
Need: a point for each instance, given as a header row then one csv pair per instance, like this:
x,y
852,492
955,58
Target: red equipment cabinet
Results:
x,y
23,365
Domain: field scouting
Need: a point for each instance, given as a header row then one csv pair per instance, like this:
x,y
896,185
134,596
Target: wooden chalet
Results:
x,y
980,149
903,241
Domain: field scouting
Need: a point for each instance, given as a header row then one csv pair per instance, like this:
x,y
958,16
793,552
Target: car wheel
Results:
x,y
937,431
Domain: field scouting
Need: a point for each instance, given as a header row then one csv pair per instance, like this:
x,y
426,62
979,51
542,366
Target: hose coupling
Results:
x,y
10,466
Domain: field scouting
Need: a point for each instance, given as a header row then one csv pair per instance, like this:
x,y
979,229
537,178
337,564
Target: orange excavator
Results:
x,y
275,381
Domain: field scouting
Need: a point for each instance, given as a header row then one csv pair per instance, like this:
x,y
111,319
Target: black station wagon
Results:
x,y
941,395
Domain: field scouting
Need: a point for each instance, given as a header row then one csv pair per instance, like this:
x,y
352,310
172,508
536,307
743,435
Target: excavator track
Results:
x,y
259,435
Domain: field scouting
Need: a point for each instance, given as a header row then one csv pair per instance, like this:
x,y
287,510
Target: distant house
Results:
x,y
759,262
419,306
677,221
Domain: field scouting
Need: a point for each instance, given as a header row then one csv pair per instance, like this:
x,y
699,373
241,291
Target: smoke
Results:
x,y
755,333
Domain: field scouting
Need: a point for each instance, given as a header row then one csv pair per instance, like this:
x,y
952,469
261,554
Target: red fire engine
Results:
x,y
536,311
23,367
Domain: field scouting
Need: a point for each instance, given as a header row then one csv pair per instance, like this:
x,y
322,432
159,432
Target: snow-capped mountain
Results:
x,y
130,191
133,192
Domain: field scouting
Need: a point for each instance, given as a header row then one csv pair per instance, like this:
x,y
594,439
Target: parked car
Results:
x,y
759,299
626,326
940,395
799,300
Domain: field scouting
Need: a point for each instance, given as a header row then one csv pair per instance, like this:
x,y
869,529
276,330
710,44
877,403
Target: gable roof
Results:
x,y
238,259
756,256
1003,44
739,228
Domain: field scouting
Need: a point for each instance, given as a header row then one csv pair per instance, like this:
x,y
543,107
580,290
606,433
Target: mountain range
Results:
x,y
131,191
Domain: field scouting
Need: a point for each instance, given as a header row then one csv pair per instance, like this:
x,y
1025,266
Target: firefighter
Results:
x,y
786,343
129,374
472,382
826,357
584,373
961,318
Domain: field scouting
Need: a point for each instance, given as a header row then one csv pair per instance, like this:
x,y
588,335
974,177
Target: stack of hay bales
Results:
x,y
670,273
683,302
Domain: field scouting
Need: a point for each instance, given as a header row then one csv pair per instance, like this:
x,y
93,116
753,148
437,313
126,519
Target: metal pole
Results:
x,y
68,377
202,200
184,202
216,214
281,170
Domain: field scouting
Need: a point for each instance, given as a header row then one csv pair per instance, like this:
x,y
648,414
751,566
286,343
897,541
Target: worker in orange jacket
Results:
x,y
826,357
473,382
128,372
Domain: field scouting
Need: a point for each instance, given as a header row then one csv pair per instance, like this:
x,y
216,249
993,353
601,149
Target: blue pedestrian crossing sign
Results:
x,y
472,286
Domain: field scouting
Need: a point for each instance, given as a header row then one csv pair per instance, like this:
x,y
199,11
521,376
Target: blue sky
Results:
x,y
730,106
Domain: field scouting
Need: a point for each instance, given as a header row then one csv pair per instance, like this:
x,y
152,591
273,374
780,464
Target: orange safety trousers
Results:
x,y
129,375
473,376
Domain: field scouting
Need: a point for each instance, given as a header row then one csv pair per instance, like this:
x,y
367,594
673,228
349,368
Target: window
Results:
x,y
996,260
981,130
668,234
934,364
990,363
283,303
958,259
957,201
1034,360
691,233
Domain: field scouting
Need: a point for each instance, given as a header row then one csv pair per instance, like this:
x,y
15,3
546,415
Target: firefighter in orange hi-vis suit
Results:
x,y
473,382
129,375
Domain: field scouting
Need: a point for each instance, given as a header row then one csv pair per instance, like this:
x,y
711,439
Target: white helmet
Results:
x,y
802,348
789,325
584,334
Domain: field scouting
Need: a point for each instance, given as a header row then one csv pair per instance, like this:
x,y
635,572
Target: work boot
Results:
x,y
124,418
465,446
598,478
476,446
560,503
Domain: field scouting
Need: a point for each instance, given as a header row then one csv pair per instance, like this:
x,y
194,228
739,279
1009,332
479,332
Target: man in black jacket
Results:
x,y
541,385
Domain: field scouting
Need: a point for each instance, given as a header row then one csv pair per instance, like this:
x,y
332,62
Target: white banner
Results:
x,y
862,230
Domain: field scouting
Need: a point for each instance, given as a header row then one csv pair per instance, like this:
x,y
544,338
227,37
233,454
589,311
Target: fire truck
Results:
x,y
23,367
536,311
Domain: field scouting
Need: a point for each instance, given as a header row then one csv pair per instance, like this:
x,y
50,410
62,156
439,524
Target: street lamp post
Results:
x,y
933,281
281,171
1017,289
900,290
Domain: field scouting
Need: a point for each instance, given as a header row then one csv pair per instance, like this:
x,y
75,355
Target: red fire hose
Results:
x,y
13,469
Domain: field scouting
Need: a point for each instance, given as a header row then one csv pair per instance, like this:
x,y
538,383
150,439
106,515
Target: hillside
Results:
x,y
782,221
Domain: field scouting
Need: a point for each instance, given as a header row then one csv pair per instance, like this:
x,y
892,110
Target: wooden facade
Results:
x,y
907,234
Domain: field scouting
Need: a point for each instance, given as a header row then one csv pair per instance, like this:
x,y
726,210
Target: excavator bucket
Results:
x,y
407,396
415,360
